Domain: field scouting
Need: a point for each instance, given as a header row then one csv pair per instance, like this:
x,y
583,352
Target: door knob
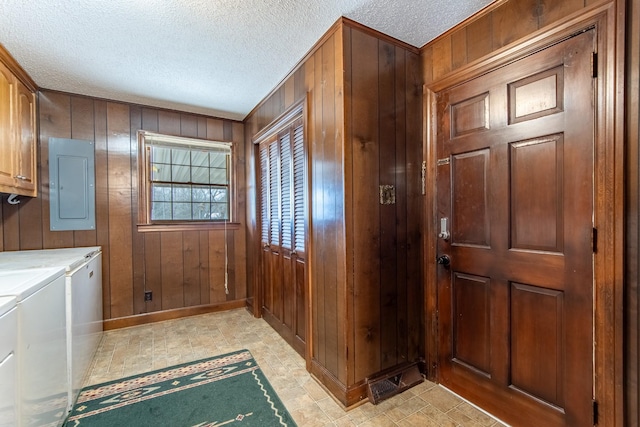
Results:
x,y
444,261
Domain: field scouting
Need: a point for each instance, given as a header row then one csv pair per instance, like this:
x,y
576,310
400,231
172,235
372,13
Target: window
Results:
x,y
184,180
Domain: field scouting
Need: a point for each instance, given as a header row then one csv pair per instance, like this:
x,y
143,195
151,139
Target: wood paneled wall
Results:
x,y
363,130
492,29
632,259
383,147
182,269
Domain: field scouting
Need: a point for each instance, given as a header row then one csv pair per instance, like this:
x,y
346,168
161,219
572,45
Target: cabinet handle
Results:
x,y
22,177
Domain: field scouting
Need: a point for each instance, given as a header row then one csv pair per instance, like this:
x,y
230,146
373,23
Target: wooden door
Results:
x,y
282,206
515,183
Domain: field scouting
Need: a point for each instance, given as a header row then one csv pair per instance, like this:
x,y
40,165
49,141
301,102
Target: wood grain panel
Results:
x,y
537,212
537,342
153,270
216,267
365,144
523,12
203,242
470,204
132,262
120,205
536,96
172,270
551,11
102,201
458,48
479,42
472,324
191,254
137,239
414,326
82,127
442,63
471,115
388,215
55,121
363,88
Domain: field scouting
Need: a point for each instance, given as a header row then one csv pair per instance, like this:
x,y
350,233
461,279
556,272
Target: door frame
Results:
x,y
608,20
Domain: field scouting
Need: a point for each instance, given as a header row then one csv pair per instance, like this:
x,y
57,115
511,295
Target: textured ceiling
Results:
x,y
215,57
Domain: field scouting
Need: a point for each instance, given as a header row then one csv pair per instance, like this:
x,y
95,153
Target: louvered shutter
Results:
x,y
264,193
298,188
285,187
274,208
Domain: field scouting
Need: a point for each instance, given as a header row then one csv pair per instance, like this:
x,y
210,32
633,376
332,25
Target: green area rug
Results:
x,y
228,390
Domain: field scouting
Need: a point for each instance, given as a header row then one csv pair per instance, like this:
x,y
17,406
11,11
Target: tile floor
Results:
x,y
138,349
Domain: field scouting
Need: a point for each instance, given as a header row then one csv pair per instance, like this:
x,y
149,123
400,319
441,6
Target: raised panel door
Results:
x,y
515,180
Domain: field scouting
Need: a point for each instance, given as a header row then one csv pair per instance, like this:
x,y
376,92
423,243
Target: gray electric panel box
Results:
x,y
72,184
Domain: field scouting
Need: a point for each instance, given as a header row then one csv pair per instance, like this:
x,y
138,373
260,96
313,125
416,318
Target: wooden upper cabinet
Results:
x,y
17,132
7,88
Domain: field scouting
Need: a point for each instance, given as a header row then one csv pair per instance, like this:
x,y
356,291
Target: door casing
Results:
x,y
608,21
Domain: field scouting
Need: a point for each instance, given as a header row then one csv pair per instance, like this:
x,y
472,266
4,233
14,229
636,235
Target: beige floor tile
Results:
x,y
139,349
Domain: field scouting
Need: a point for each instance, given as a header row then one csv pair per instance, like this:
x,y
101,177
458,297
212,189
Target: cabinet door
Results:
x,y
6,133
25,171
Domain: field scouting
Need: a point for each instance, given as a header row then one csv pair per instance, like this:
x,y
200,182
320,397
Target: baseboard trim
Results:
x,y
347,397
158,316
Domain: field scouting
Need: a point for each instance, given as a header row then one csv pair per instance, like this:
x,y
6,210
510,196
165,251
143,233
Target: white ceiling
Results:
x,y
214,57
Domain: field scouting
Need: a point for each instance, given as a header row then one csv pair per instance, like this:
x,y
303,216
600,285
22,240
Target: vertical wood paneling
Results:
x,y
82,127
102,202
317,156
119,171
239,257
479,42
388,234
340,178
403,86
215,129
133,262
153,271
188,126
365,143
331,180
191,261
459,53
551,11
216,266
11,237
172,270
360,133
523,12
414,326
441,57
55,121
203,237
137,239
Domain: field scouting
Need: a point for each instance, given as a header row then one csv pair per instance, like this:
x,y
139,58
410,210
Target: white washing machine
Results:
x,y
42,344
83,277
8,362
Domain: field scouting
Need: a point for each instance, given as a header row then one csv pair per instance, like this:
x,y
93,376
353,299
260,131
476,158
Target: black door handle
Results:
x,y
444,261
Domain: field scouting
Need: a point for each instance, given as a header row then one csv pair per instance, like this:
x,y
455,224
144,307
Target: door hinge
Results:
x,y
594,240
594,65
423,177
595,412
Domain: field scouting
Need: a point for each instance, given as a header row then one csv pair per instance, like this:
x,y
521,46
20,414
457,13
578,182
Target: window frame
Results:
x,y
271,134
145,224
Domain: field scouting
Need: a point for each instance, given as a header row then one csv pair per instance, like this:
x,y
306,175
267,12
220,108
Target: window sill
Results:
x,y
188,226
